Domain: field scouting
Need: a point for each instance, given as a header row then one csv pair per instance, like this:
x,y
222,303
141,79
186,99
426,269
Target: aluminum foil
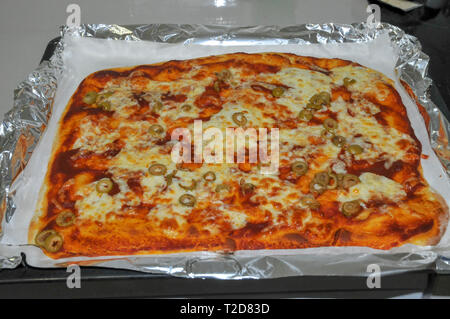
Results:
x,y
23,126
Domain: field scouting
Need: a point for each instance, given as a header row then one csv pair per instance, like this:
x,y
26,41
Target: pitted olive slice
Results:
x,y
299,167
325,97
157,169
169,177
189,187
186,107
322,178
65,218
104,185
334,182
42,236
105,105
309,201
349,180
53,243
90,97
156,130
157,106
216,86
278,91
209,176
326,134
348,82
247,188
187,200
351,208
330,124
222,187
224,75
305,115
355,149
239,118
338,140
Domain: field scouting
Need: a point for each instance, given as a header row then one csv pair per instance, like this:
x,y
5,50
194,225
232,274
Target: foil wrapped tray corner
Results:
x,y
25,123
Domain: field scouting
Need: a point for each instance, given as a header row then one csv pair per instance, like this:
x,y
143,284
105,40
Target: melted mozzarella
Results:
x,y
236,219
275,196
303,84
94,137
383,139
366,80
95,205
373,186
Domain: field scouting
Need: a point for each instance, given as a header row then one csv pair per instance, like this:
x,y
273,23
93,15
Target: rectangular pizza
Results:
x,y
348,167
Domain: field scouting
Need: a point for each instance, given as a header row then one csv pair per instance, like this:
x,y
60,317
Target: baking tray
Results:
x,y
26,281
29,282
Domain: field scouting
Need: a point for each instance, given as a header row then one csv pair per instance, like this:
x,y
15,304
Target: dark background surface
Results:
x,y
432,27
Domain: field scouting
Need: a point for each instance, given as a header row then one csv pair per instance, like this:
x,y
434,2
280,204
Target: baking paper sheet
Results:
x,y
82,56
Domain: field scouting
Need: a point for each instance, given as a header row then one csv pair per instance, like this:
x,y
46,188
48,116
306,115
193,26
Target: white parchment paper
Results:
x,y
82,56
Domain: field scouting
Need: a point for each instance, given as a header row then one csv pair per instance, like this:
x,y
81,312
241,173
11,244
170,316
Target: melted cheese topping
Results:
x,y
374,186
139,152
125,147
375,139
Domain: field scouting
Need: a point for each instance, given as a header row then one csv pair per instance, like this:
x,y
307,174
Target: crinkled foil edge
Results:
x,y
25,123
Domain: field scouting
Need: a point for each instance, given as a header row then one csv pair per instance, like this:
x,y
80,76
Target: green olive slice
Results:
x,y
326,134
247,188
315,99
340,177
187,200
317,188
101,97
278,91
53,243
239,118
90,97
186,107
65,218
330,124
338,140
209,176
348,82
104,185
189,187
216,86
320,99
105,105
309,201
349,180
169,177
355,149
299,167
42,236
305,115
157,169
156,130
325,97
224,75
157,106
222,187
181,167
334,181
351,208
314,107
322,178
